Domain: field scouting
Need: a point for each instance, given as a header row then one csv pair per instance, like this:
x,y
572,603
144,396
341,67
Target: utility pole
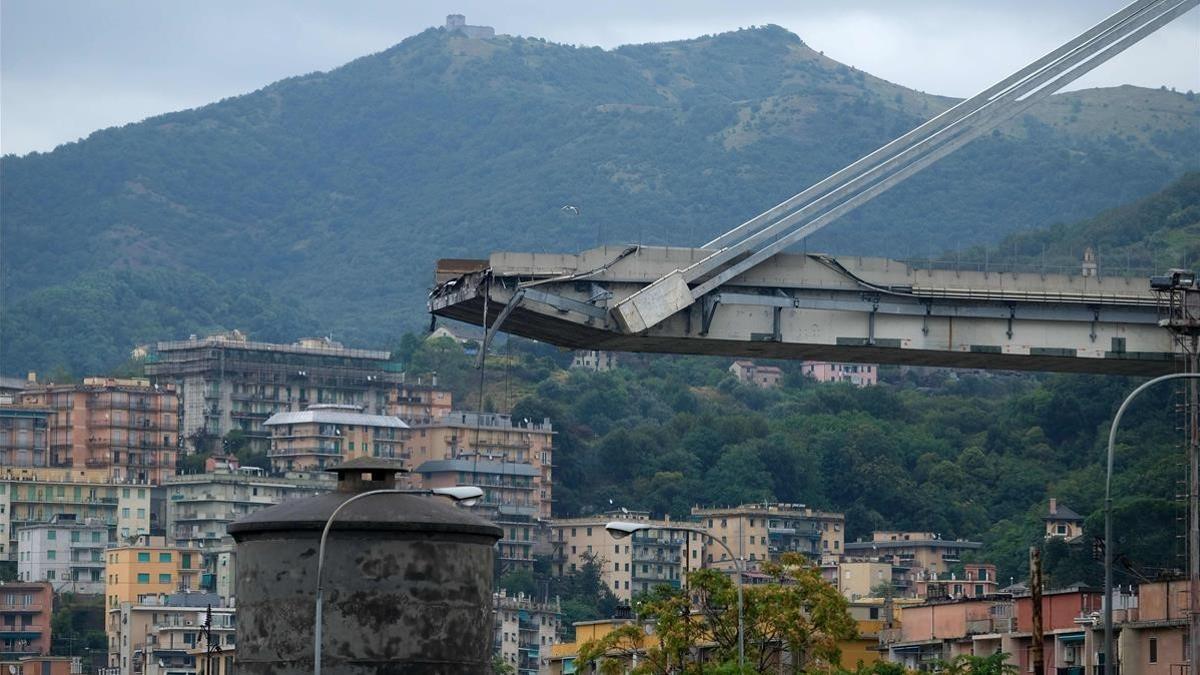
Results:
x,y
1035,586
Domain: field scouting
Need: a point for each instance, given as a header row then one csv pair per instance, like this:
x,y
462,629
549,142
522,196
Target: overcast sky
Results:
x,y
68,68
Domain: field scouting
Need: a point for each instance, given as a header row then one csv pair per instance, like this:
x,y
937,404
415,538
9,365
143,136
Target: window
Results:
x,y
144,556
95,536
51,535
164,578
74,536
51,555
164,557
143,578
1153,650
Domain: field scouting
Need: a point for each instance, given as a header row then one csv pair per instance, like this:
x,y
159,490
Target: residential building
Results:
x,y
201,506
922,551
525,632
512,459
1152,639
228,382
66,552
160,634
509,500
36,495
25,612
758,532
940,630
11,387
43,665
594,359
329,434
977,580
125,427
858,374
1066,615
419,403
24,435
632,565
466,336
751,373
1062,522
563,655
148,568
863,579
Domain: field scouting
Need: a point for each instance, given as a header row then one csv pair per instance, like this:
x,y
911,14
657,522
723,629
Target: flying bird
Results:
x,y
573,210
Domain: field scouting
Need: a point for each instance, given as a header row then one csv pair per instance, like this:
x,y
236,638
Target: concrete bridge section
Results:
x,y
819,307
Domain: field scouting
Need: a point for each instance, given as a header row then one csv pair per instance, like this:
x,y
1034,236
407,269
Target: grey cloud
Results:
x,y
70,67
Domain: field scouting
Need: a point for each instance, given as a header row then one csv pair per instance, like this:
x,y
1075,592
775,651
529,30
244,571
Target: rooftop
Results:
x,y
320,415
304,346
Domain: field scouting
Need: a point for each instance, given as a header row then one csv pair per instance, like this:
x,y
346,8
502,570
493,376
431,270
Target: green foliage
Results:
x,y
799,613
964,664
320,203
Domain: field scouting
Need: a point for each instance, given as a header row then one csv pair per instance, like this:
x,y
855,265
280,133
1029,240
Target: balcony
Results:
x,y
32,608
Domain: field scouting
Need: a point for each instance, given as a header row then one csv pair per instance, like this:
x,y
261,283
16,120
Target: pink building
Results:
x,y
858,374
25,611
751,373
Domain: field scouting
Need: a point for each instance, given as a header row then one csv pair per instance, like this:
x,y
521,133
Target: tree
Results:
x,y
798,614
994,664
501,667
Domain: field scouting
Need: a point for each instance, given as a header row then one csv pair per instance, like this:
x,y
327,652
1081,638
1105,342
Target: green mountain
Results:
x,y
1153,234
332,194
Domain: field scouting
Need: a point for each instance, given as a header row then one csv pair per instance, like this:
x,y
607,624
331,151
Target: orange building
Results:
x,y
324,435
149,568
419,403
123,426
25,611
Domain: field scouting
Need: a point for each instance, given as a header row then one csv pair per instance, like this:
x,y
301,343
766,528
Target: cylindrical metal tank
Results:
x,y
407,579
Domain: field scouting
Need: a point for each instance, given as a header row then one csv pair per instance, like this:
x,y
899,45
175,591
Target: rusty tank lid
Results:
x,y
416,511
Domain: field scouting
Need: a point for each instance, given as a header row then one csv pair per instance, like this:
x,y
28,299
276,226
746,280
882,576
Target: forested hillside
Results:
x,y
971,455
319,203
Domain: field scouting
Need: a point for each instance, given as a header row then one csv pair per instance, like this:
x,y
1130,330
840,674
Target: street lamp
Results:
x,y
1112,441
466,495
619,529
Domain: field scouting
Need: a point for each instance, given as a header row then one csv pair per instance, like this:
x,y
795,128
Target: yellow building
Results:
x,y
758,532
562,655
149,568
920,551
329,434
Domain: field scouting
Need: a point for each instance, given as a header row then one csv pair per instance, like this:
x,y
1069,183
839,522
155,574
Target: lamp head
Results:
x,y
619,529
467,495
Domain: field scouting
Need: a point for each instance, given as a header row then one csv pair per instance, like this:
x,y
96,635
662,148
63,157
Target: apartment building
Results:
x,y
37,495
858,374
147,568
631,565
525,631
509,500
160,634
922,551
228,382
511,459
24,435
977,580
125,427
758,532
752,373
66,552
25,612
418,402
595,360
327,434
201,506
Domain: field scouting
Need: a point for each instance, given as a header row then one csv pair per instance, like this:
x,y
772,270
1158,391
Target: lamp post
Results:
x,y
619,529
464,494
1112,441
